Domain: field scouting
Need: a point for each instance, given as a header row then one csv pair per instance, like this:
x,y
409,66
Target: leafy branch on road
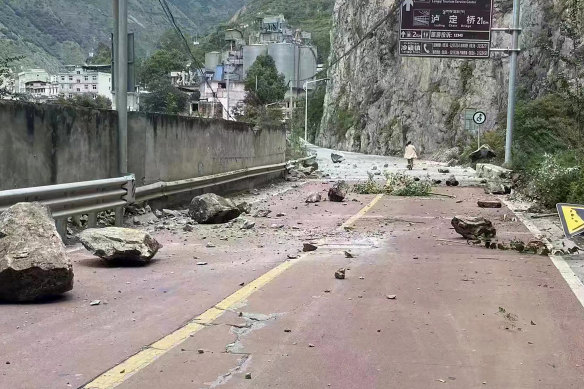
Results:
x,y
395,185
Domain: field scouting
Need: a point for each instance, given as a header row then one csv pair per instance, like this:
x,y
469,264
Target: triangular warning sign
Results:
x,y
572,217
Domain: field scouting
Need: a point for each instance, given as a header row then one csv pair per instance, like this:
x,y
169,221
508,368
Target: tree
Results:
x,y
164,98
159,66
86,100
271,85
5,74
103,55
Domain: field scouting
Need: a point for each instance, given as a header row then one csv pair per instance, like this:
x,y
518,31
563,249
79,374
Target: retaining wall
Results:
x,y
44,144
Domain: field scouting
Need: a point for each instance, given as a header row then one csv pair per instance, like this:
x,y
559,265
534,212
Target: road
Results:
x,y
462,317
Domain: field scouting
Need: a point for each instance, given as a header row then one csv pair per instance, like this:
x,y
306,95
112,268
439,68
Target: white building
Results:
x,y
225,100
37,83
76,80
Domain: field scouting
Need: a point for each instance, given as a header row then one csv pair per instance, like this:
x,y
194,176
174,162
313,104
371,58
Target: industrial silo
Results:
x,y
308,64
250,53
286,57
212,60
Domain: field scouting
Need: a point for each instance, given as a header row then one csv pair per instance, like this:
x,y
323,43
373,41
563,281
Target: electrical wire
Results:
x,y
198,64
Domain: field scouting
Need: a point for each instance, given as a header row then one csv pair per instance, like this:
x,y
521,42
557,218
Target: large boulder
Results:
x,y
337,158
474,227
483,153
33,262
212,209
338,192
120,243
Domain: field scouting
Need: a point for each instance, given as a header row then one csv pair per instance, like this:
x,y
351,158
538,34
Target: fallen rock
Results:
x,y
212,209
315,197
452,181
144,219
337,158
33,261
338,192
484,152
391,296
244,207
489,204
474,227
497,188
311,164
340,274
95,302
348,254
443,171
170,213
262,213
120,243
248,225
307,247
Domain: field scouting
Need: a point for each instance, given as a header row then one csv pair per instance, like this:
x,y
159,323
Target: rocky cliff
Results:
x,y
377,99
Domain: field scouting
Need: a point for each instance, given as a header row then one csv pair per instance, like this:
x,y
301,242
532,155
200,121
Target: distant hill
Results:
x,y
50,33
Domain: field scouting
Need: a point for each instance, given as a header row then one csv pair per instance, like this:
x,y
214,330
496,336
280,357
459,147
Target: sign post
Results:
x,y
443,28
479,118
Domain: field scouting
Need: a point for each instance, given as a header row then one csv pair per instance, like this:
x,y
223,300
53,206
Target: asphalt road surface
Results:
x,y
419,308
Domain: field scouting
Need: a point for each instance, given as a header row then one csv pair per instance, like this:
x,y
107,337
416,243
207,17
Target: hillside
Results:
x,y
53,32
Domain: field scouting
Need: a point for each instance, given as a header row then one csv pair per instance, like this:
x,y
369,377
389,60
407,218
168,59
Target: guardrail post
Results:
x,y
119,216
61,225
92,220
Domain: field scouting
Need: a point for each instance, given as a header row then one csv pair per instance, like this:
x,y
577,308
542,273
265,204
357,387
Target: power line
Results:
x,y
201,68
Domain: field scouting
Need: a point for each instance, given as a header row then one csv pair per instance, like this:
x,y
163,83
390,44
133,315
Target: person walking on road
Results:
x,y
410,154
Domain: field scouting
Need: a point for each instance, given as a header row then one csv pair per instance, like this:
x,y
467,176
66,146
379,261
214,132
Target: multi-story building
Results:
x,y
74,80
36,83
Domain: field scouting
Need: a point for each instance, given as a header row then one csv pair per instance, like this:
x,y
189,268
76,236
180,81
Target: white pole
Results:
x,y
306,112
512,81
228,100
122,86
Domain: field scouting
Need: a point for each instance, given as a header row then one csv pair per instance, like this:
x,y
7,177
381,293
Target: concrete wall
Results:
x,y
50,144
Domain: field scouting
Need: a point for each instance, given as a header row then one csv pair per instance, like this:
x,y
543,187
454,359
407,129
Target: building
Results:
x,y
75,80
293,52
38,84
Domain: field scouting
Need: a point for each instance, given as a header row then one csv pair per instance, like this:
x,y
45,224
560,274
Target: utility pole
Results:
x,y
515,31
228,87
121,30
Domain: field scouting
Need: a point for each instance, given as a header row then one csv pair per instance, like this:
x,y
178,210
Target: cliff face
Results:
x,y
377,99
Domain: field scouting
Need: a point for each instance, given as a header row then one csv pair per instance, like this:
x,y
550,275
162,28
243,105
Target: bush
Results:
x,y
556,179
396,185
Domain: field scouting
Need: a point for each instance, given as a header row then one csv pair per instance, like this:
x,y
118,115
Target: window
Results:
x,y
86,86
94,78
78,72
86,78
62,78
70,86
95,87
78,89
70,78
70,95
79,81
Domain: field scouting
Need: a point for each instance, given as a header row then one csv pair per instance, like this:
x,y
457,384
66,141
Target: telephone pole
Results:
x,y
120,73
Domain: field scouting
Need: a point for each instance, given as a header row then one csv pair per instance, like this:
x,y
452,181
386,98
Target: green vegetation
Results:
x,y
50,33
271,85
261,104
102,56
87,101
396,185
5,73
314,16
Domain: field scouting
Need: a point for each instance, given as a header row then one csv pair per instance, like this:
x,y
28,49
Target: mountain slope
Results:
x,y
53,32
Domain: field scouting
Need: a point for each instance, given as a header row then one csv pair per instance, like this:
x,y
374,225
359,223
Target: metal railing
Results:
x,y
76,199
91,197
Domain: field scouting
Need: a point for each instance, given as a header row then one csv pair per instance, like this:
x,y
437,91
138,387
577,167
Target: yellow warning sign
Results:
x,y
572,217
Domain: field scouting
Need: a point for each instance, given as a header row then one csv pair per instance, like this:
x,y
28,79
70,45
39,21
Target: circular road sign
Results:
x,y
479,118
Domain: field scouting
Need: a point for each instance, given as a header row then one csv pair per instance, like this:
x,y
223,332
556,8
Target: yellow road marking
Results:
x,y
120,373
361,213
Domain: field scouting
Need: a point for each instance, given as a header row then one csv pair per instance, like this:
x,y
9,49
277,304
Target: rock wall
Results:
x,y
377,100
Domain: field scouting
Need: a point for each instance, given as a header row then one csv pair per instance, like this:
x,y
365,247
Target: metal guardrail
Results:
x,y
91,197
76,199
165,189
